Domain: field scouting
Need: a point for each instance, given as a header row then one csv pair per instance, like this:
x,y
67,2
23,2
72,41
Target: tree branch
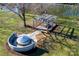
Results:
x,y
14,11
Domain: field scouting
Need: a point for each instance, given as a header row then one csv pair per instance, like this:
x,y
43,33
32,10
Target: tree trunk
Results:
x,y
24,22
23,14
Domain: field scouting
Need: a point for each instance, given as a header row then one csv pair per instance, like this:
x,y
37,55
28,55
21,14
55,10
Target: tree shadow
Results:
x,y
68,35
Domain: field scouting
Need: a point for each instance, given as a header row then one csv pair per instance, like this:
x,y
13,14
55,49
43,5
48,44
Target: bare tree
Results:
x,y
38,8
21,10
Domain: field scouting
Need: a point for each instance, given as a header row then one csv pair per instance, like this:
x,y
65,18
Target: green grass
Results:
x,y
10,22
72,22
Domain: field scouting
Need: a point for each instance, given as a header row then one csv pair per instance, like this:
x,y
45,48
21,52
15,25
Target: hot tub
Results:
x,y
21,43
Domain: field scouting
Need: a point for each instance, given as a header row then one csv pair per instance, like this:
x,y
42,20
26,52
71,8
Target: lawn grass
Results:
x,y
10,22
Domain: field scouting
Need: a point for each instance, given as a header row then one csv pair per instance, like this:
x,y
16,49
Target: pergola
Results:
x,y
44,19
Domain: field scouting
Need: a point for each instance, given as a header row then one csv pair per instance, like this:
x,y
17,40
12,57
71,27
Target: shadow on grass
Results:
x,y
72,49
69,34
34,52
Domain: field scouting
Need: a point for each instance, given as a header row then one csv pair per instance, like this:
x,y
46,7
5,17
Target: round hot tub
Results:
x,y
21,43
